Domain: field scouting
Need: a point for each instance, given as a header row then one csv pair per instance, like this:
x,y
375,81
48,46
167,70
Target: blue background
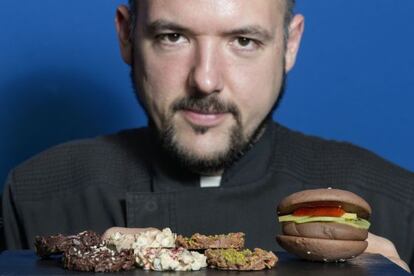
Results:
x,y
62,78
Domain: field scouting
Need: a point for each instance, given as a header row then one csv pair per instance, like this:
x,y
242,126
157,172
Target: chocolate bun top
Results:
x,y
348,201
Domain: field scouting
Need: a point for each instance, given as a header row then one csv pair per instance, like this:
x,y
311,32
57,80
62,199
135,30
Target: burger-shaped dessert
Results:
x,y
324,224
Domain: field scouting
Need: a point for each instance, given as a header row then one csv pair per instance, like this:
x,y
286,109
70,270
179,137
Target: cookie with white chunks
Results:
x,y
170,259
245,259
324,224
201,242
46,246
155,250
153,238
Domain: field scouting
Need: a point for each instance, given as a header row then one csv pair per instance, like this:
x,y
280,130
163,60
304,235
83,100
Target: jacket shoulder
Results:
x,y
106,160
328,163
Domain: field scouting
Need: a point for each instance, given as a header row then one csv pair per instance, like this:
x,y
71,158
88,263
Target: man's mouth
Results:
x,y
204,118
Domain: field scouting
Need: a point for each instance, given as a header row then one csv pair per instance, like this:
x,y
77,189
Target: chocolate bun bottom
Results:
x,y
323,250
324,230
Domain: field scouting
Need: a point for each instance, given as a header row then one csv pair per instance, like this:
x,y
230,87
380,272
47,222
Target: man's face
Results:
x,y
208,72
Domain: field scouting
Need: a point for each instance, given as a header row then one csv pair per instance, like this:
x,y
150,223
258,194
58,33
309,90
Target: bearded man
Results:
x,y
209,74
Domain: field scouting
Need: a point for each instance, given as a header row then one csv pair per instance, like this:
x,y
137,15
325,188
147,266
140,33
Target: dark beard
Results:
x,y
238,143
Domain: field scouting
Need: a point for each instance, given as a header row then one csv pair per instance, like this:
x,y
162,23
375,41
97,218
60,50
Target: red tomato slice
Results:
x,y
319,212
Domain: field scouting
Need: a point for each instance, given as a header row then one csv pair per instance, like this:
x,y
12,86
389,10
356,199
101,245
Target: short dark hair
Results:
x,y
290,5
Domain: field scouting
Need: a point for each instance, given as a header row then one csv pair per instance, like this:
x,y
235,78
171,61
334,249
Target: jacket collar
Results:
x,y
167,175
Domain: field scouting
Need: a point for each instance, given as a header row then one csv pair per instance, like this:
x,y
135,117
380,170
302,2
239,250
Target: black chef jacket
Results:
x,y
125,180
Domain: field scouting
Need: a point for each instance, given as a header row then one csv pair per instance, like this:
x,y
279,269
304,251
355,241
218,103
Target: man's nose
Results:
x,y
206,74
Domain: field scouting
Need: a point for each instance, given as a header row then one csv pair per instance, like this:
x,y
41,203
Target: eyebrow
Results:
x,y
252,30
163,25
249,30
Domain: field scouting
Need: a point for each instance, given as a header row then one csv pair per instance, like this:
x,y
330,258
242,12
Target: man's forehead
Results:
x,y
281,4
213,12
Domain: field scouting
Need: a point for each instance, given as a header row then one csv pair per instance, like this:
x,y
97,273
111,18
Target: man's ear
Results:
x,y
123,28
296,28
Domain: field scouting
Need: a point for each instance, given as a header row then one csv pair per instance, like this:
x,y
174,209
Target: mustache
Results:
x,y
208,104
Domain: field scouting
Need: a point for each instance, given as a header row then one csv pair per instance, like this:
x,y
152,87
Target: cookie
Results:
x,y
46,246
233,259
201,242
98,259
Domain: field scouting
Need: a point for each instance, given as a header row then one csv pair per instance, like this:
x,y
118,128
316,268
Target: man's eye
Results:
x,y
245,43
171,38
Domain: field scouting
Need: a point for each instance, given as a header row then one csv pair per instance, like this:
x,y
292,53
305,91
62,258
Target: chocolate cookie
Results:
x,y
57,244
98,259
